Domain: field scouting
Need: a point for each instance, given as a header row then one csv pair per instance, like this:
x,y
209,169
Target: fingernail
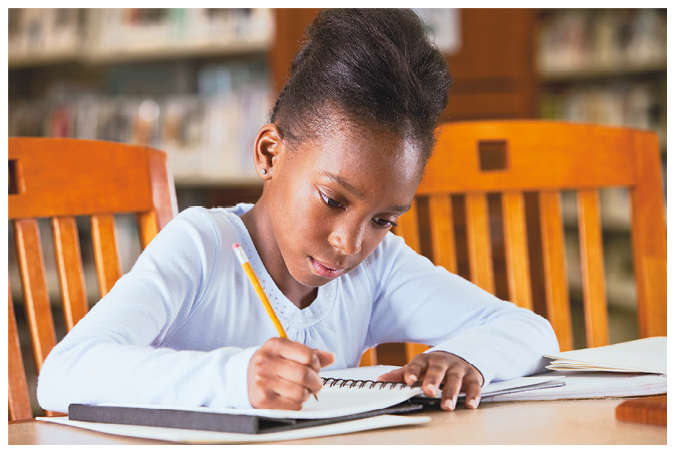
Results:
x,y
473,403
412,379
454,403
431,388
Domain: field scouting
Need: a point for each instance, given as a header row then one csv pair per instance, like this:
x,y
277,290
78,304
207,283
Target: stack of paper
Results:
x,y
633,368
647,355
594,384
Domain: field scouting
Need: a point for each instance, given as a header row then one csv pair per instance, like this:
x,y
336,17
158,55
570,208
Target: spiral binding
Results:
x,y
361,383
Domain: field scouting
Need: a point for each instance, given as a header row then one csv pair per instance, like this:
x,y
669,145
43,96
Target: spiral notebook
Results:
x,y
345,397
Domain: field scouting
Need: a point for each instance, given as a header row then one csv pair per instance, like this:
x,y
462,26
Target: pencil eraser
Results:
x,y
235,246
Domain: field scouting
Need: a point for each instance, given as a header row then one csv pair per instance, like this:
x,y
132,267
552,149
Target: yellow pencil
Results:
x,y
241,256
258,288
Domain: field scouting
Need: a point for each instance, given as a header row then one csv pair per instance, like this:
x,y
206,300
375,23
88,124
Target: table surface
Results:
x,y
542,422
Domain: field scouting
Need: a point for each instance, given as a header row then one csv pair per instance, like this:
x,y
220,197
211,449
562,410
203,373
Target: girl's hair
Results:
x,y
377,66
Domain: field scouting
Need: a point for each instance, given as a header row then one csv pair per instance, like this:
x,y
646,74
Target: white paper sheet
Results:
x,y
644,355
210,437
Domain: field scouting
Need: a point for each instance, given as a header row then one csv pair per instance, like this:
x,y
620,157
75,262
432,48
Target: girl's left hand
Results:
x,y
438,367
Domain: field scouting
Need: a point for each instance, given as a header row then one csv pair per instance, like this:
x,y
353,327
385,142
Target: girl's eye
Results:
x,y
384,223
330,202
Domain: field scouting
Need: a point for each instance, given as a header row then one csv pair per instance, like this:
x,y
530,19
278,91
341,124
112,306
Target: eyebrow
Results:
x,y
344,184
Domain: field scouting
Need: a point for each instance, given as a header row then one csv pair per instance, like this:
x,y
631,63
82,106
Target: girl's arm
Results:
x,y
421,303
111,354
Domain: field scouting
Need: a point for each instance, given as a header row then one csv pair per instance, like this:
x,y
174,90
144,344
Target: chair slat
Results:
x,y
478,238
36,296
515,244
17,386
369,358
649,237
147,227
412,349
553,248
164,203
106,253
69,264
592,268
408,227
444,252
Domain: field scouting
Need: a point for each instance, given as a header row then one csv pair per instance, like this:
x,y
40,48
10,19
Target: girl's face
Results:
x,y
330,202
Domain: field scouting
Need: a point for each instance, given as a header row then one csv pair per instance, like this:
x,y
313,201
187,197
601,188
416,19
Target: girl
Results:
x,y
341,159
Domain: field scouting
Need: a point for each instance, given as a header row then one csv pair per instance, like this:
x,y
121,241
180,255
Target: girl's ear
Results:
x,y
267,149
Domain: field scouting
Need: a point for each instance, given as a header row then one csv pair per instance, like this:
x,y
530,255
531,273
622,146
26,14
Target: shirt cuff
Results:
x,y
236,382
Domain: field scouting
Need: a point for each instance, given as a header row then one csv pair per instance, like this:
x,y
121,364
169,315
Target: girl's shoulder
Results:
x,y
200,215
210,225
391,251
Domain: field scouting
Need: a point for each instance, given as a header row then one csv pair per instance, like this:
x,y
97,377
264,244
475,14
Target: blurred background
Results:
x,y
198,84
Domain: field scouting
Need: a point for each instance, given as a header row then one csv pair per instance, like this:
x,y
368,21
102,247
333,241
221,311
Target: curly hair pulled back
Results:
x,y
377,66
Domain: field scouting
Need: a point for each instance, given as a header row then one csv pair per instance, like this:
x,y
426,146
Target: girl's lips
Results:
x,y
326,271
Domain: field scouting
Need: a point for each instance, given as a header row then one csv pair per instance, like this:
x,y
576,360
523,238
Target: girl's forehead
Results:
x,y
365,158
354,143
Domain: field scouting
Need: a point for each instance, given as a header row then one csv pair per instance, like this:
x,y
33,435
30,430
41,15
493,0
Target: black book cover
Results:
x,y
211,421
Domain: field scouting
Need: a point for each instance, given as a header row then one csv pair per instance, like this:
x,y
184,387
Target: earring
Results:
x,y
263,171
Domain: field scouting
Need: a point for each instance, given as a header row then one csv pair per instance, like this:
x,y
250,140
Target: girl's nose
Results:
x,y
347,238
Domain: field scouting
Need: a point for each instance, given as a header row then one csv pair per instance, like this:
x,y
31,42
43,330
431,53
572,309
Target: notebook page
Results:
x,y
333,402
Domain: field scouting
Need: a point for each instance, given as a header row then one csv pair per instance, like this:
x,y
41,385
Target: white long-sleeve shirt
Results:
x,y
180,328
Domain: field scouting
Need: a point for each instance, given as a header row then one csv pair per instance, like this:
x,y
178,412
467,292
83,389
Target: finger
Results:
x,y
325,357
451,387
271,399
292,391
299,374
293,351
471,387
393,376
433,376
305,377
414,371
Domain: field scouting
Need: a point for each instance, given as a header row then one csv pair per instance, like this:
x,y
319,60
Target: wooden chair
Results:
x,y
60,179
510,158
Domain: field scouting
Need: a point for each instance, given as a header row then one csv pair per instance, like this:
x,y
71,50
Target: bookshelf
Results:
x,y
605,66
173,79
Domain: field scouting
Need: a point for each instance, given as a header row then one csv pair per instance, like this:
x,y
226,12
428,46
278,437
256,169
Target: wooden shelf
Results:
x,y
122,55
104,56
593,73
43,58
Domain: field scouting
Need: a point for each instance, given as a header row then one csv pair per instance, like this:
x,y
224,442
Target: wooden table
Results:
x,y
546,422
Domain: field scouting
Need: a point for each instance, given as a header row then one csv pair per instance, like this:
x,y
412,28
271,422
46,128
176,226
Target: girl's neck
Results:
x,y
263,239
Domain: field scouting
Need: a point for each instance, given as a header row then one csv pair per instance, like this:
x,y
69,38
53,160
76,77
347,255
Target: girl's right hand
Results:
x,y
282,374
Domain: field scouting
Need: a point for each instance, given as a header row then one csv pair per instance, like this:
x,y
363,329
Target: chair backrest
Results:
x,y
60,179
512,158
